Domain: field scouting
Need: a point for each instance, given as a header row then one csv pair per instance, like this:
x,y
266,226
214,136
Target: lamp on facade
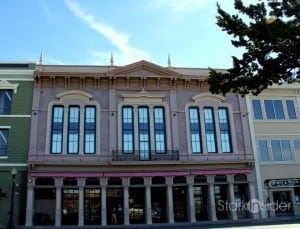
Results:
x,y
10,224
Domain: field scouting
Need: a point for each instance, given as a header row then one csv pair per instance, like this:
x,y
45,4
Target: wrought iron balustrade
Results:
x,y
137,155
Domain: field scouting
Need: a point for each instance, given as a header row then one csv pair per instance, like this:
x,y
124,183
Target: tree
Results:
x,y
270,36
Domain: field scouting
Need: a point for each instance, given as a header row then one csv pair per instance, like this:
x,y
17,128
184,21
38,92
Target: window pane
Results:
x,y
278,109
5,101
257,109
159,130
269,109
127,125
195,130
144,138
3,142
286,150
57,129
90,130
210,131
263,150
297,149
276,150
73,130
224,130
291,109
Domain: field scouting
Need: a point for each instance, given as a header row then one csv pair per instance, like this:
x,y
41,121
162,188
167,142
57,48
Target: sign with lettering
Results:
x,y
285,183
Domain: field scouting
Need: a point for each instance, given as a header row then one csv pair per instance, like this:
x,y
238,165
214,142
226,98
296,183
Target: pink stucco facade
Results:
x,y
142,84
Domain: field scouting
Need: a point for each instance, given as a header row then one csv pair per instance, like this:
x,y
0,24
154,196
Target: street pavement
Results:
x,y
276,223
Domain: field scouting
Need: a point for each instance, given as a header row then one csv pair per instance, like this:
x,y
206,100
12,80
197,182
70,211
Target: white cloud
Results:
x,y
126,52
181,5
189,4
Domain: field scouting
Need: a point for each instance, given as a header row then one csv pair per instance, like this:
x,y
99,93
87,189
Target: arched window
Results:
x,y
158,180
114,181
44,181
179,180
240,177
136,181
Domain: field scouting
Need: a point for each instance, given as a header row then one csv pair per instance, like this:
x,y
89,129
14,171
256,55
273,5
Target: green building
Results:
x,y
16,85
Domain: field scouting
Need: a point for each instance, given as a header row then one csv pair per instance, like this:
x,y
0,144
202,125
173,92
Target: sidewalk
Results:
x,y
185,225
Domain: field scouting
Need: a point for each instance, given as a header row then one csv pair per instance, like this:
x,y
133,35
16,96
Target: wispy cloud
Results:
x,y
126,52
181,5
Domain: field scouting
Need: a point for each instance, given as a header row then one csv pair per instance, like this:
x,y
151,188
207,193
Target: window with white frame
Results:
x,y
3,142
274,109
277,150
281,150
263,150
159,130
145,119
57,129
127,129
297,149
257,109
224,130
5,101
195,130
90,129
72,129
209,130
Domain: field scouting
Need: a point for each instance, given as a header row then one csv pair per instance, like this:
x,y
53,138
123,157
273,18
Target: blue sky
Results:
x,y
87,32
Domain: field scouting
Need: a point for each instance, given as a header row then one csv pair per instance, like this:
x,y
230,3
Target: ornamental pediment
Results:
x,y
143,96
208,97
143,69
5,85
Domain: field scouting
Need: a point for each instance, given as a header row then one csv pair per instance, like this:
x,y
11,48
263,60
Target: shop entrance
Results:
x,y
114,205
70,206
44,206
282,203
241,198
44,201
221,201
180,203
92,206
200,198
158,198
136,205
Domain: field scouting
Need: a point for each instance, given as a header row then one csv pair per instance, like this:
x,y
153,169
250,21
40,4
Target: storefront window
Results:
x,y
297,194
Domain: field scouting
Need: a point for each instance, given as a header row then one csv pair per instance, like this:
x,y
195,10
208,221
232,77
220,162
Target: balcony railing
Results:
x,y
137,156
169,155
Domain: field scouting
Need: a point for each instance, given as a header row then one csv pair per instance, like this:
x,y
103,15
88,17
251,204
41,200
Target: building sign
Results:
x,y
286,183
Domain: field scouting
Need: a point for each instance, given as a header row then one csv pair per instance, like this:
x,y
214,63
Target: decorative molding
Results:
x,y
4,84
208,96
5,127
143,96
74,94
12,164
15,116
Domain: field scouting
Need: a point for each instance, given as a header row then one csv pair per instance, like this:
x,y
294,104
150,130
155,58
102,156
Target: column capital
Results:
x,y
103,182
210,179
147,181
190,180
58,182
81,182
169,180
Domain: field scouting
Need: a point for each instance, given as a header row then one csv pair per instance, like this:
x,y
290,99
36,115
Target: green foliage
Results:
x,y
270,36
